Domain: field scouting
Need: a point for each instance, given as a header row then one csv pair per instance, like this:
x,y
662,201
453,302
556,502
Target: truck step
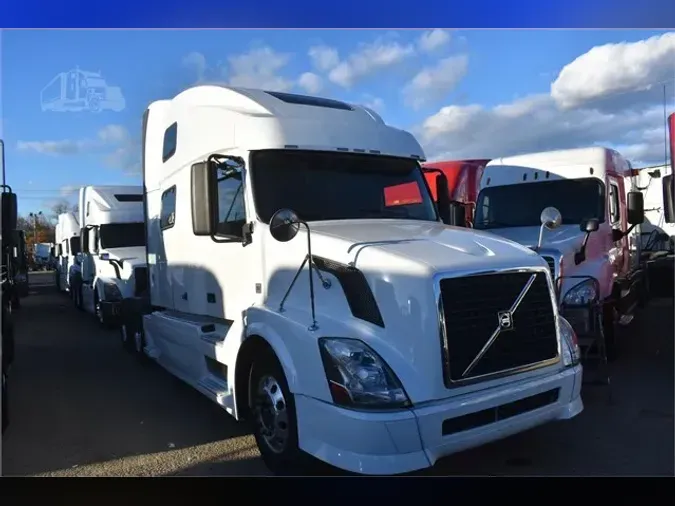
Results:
x,y
216,387
212,337
626,319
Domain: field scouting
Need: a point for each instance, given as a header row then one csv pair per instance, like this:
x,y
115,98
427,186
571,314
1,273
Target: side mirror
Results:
x,y
443,198
636,208
9,213
84,239
590,226
204,195
668,198
550,218
284,225
457,214
587,226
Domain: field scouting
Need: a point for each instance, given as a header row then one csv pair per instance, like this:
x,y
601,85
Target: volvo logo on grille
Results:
x,y
504,323
505,320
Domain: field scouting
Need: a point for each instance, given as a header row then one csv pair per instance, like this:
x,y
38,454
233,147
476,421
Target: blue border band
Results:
x,y
343,14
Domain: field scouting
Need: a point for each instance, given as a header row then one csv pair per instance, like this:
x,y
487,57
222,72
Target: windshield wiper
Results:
x,y
492,224
400,212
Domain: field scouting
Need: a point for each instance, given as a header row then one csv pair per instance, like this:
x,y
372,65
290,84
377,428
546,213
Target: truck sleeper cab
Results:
x,y
112,239
592,249
67,250
284,288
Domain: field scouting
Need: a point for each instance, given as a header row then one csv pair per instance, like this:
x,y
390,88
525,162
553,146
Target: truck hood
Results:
x,y
435,246
400,259
133,256
565,239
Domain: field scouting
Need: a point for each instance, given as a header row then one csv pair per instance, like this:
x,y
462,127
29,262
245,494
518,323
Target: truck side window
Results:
x,y
170,137
614,212
231,209
168,215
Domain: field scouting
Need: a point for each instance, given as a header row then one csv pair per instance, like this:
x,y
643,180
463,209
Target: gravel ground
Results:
x,y
82,406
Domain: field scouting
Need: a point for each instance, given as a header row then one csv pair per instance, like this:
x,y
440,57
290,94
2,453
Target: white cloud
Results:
x,y
613,69
68,190
310,82
535,123
369,59
259,69
196,62
62,147
323,57
434,83
119,149
374,103
433,40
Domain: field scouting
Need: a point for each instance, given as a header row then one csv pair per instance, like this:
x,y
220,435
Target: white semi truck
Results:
x,y
67,249
113,249
594,255
283,287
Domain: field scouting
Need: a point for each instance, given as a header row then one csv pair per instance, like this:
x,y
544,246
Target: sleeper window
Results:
x,y
614,211
170,140
168,215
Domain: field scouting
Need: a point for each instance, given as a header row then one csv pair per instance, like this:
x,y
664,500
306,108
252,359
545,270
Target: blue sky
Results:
x,y
463,93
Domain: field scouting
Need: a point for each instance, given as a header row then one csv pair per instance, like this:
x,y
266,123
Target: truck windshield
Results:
x,y
122,235
520,205
339,186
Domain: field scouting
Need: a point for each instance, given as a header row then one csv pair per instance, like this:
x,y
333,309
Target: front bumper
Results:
x,y
409,440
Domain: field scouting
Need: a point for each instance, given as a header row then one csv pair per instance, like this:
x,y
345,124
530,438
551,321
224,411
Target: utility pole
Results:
x,y
35,219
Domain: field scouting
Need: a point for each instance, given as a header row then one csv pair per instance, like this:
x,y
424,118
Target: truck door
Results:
x,y
617,217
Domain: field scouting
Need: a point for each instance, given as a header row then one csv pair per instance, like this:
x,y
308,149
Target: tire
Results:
x,y
609,330
78,297
5,404
268,386
126,337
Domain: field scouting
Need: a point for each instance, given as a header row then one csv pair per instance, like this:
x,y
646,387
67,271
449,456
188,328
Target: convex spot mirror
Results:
x,y
551,218
590,225
284,225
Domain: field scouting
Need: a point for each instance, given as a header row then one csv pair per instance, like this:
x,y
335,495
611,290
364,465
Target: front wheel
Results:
x,y
5,403
272,409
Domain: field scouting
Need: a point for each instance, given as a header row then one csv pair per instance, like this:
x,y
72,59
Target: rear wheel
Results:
x,y
272,411
609,331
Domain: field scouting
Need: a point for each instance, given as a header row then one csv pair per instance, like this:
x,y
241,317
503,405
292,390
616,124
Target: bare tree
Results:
x,y
60,207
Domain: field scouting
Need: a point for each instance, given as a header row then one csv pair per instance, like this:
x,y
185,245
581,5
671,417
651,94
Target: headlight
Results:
x,y
112,292
581,294
570,346
358,377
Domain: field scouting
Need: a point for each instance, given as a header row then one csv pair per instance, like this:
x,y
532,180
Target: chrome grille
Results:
x,y
551,265
472,309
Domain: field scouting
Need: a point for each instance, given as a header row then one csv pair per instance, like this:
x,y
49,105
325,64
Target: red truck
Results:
x,y
463,177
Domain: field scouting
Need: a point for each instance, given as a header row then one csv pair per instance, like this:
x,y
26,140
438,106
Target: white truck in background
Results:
x,y
594,253
67,249
113,249
285,289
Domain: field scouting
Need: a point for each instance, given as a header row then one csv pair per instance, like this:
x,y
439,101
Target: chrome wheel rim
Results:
x,y
271,414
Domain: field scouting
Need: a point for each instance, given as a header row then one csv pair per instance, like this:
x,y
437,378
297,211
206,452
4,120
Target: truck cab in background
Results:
x,y
463,178
112,238
580,210
286,288
67,250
